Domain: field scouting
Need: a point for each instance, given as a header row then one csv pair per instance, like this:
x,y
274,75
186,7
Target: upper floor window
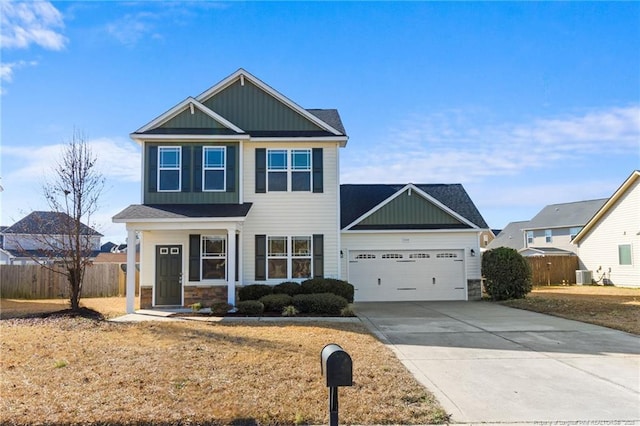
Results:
x,y
169,164
548,236
529,237
289,170
573,232
213,168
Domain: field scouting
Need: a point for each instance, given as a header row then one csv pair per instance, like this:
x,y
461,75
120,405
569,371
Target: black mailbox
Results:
x,y
336,366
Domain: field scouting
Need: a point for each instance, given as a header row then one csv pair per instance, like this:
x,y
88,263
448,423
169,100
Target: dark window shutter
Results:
x,y
261,170
318,256
194,257
152,170
231,168
261,257
186,168
197,169
237,257
318,185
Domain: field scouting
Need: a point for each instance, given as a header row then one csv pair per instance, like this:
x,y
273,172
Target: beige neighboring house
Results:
x,y
551,231
609,243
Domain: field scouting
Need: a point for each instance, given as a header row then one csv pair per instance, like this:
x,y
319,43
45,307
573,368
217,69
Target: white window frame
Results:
x,y
548,236
620,246
161,168
529,236
204,256
223,168
289,256
290,168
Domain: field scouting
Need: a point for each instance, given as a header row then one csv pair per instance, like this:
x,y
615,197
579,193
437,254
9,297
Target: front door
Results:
x,y
168,275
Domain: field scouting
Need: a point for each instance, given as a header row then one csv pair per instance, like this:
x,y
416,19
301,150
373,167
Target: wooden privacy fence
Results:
x,y
38,282
546,270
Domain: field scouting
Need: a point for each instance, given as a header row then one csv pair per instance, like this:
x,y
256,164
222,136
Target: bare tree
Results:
x,y
72,194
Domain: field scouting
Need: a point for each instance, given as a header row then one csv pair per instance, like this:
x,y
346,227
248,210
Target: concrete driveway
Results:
x,y
489,363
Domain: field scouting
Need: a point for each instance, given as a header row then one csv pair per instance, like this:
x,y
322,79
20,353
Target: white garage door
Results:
x,y
405,275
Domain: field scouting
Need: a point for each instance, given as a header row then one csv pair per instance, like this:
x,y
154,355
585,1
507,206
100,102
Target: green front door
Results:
x,y
168,275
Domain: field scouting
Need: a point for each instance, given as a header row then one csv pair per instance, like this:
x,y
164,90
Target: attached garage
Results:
x,y
405,275
411,242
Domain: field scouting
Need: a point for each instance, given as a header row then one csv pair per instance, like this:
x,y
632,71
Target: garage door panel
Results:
x,y
387,275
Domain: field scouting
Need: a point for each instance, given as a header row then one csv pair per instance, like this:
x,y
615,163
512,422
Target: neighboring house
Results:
x,y
40,236
241,186
609,243
410,242
486,237
550,232
511,236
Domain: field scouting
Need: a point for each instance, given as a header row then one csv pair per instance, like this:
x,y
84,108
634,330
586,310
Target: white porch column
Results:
x,y
231,266
131,270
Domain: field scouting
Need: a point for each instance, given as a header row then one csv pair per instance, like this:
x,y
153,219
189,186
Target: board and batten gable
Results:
x,y
619,224
292,213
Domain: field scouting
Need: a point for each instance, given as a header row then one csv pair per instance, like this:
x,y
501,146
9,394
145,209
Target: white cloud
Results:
x,y
26,23
7,69
131,28
461,147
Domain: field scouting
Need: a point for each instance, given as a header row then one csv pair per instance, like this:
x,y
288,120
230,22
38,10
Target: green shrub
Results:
x,y
275,302
288,287
340,288
289,311
322,303
314,286
196,307
250,307
254,291
347,311
507,274
220,308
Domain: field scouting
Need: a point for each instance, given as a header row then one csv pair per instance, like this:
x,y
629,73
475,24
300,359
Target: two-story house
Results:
x,y
240,185
551,231
43,236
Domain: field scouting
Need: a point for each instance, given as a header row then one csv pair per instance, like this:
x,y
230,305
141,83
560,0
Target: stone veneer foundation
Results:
x,y
192,294
474,289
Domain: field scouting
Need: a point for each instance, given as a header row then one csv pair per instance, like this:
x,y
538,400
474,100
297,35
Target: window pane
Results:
x,y
277,268
213,269
213,157
301,181
301,268
214,180
624,254
277,160
213,246
301,159
301,246
277,246
169,157
169,180
277,181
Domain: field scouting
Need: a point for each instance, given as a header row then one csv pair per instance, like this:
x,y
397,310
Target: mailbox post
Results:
x,y
337,370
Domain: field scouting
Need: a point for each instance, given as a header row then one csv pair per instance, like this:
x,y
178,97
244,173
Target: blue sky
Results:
x,y
525,103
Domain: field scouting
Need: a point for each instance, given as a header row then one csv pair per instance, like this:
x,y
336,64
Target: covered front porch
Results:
x,y
188,253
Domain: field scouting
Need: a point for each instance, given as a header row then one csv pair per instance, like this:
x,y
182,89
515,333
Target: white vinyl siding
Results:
x,y
293,213
619,226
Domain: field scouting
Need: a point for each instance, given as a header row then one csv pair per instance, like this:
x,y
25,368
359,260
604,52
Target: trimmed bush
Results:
x,y
314,286
254,291
275,302
220,308
250,307
289,311
507,274
321,304
340,288
288,287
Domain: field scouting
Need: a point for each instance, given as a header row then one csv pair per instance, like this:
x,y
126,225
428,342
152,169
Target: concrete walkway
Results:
x,y
487,363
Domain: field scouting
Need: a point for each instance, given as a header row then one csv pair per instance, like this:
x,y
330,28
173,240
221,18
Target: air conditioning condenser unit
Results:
x,y
583,277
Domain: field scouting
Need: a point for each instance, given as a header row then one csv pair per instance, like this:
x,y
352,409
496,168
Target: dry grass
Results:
x,y
110,307
612,307
80,371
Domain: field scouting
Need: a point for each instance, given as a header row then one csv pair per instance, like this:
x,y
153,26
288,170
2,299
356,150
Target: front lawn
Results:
x,y
81,371
612,307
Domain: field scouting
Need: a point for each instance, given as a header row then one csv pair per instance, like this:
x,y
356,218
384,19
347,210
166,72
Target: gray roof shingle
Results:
x,y
47,223
511,236
182,211
572,214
